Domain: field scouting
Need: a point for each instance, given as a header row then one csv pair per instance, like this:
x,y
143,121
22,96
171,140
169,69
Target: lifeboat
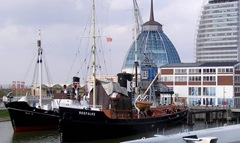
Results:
x,y
143,104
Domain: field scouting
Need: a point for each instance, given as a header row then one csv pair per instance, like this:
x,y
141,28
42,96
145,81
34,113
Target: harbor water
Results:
x,y
8,136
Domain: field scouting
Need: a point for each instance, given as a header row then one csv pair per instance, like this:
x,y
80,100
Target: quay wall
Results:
x,y
212,113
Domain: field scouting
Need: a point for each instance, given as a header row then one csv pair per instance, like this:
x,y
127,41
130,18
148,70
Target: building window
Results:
x,y
180,78
209,101
166,78
228,101
195,78
194,101
194,91
180,71
209,70
237,68
237,79
209,78
194,70
237,89
225,70
209,91
144,74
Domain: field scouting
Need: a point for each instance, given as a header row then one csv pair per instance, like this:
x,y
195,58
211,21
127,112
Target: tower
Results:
x,y
218,32
153,41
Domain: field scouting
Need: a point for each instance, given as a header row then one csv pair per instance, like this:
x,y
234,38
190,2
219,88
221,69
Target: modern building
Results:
x,y
154,43
205,83
218,32
215,78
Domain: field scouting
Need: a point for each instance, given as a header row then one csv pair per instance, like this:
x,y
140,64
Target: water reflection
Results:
x,y
8,136
36,137
6,132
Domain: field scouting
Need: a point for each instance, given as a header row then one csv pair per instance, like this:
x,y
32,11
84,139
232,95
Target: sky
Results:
x,y
65,25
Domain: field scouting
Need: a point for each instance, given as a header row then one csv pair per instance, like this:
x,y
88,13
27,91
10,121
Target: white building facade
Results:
x,y
218,32
205,84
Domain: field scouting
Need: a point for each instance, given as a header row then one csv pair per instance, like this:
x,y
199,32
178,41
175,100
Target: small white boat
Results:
x,y
195,139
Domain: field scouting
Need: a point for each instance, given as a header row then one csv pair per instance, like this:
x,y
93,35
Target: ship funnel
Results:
x,y
125,80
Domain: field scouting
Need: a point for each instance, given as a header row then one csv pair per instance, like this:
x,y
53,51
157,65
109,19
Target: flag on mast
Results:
x,y
109,39
18,85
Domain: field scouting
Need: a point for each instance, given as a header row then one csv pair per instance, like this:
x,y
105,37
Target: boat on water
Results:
x,y
112,111
27,118
195,139
38,116
113,116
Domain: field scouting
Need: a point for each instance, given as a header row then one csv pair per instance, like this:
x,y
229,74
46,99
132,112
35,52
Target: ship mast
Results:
x,y
137,27
39,61
93,54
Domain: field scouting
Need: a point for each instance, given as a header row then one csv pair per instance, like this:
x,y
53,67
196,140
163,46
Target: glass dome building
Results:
x,y
153,43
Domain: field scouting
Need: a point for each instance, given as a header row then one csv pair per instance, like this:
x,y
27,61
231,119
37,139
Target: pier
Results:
x,y
211,113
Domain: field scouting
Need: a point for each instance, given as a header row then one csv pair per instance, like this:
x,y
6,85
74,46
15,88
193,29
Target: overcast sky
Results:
x,y
64,25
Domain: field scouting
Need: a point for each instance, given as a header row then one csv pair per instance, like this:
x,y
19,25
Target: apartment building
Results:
x,y
218,32
204,83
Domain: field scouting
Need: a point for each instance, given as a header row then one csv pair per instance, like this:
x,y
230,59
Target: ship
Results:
x,y
114,110
114,115
27,118
29,113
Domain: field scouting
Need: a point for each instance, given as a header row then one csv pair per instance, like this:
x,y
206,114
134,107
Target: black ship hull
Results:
x,y
26,118
82,125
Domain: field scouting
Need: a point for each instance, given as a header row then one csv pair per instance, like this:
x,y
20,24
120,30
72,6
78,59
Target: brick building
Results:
x,y
207,83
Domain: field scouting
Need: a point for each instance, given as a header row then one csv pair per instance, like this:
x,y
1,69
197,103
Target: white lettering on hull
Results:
x,y
86,113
